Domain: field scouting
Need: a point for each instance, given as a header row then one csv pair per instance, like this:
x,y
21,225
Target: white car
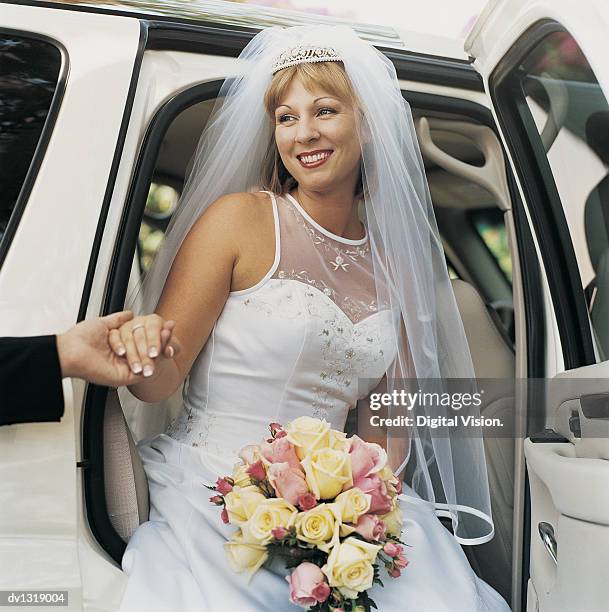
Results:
x,y
101,106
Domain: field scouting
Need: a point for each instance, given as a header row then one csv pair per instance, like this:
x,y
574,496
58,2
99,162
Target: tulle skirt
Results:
x,y
176,560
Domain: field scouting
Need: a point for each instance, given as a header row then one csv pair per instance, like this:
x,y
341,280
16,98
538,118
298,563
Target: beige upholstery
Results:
x,y
493,357
125,482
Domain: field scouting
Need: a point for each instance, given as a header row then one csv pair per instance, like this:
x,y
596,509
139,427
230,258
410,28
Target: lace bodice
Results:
x,y
308,339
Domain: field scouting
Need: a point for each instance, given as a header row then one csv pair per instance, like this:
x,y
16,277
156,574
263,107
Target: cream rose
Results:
x,y
349,567
338,440
393,521
319,526
244,556
241,503
353,503
327,472
268,515
240,477
308,434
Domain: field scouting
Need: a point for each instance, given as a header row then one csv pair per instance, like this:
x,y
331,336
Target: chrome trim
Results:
x,y
546,532
243,15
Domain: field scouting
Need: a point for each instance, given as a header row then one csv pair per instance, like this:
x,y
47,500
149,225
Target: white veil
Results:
x,y
411,276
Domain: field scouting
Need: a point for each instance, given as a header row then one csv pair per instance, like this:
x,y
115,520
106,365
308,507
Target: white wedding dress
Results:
x,y
300,342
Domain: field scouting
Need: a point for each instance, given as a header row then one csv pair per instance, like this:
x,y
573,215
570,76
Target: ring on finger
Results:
x,y
137,327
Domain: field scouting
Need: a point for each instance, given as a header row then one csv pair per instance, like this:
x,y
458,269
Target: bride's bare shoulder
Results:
x,y
241,210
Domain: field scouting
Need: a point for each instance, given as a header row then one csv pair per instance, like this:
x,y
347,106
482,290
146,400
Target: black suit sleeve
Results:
x,y
30,380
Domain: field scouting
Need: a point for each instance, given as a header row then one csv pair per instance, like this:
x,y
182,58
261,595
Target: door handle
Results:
x,y
546,532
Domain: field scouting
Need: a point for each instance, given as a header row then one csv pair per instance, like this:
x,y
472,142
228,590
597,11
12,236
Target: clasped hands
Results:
x,y
117,349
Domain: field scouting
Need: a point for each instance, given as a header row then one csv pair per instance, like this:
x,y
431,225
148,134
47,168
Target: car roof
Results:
x,y
251,18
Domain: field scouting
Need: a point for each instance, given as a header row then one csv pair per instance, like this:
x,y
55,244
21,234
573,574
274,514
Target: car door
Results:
x,y
55,218
544,66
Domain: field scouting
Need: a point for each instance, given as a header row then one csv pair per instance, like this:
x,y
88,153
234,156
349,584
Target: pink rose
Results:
x,y
248,453
287,482
371,527
275,428
257,471
401,561
223,487
392,549
308,585
394,572
374,486
279,532
280,450
224,516
307,501
366,458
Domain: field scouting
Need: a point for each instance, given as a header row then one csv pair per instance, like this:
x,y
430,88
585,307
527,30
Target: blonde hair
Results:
x,y
329,76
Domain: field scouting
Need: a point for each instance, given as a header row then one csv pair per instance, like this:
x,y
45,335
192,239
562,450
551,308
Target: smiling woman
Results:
x,y
317,116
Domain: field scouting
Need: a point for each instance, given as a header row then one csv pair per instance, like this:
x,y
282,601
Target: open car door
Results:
x,y
83,64
544,67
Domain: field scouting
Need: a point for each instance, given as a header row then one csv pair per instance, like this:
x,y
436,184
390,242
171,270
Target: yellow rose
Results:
x,y
353,503
390,480
244,556
272,513
240,477
387,475
338,440
349,567
308,434
241,503
394,521
319,526
327,472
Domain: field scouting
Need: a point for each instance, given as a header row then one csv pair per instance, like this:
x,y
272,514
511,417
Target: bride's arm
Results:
x,y
195,292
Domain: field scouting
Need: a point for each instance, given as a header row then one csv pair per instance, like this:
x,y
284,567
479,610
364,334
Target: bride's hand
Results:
x,y
144,340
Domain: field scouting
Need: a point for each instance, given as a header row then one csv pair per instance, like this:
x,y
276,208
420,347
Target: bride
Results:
x,y
303,271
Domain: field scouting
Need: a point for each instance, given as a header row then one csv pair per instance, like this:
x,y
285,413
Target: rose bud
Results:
x,y
224,516
394,572
216,499
279,533
391,549
275,427
257,471
401,561
223,486
307,501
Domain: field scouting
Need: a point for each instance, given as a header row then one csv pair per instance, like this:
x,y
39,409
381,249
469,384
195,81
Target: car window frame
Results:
x,y
543,199
43,140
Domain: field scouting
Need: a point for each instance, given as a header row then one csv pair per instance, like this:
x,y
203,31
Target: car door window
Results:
x,y
29,74
570,120
160,206
490,226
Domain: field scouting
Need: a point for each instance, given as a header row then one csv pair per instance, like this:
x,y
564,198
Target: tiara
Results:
x,y
304,54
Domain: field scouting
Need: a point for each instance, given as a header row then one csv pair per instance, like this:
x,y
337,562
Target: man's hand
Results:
x,y
84,351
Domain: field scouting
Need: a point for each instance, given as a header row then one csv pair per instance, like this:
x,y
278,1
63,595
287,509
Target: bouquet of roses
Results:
x,y
325,503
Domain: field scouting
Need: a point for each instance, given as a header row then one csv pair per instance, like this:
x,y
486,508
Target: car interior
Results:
x,y
466,173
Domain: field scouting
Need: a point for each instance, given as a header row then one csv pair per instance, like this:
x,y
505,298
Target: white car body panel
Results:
x,y
39,480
